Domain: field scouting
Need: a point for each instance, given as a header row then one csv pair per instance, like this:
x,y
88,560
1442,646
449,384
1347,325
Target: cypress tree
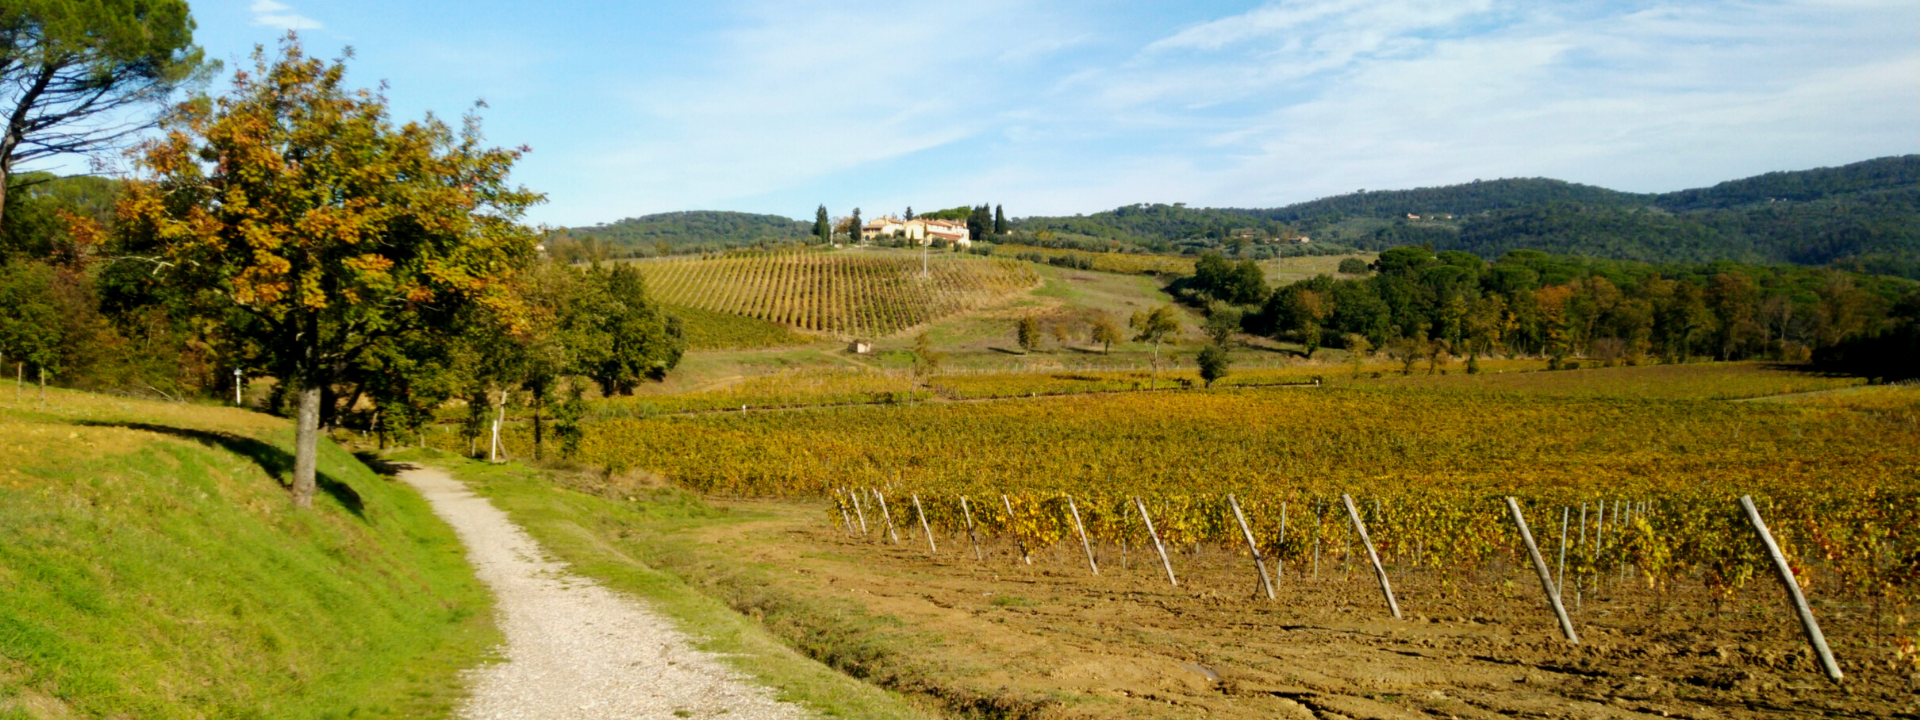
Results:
x,y
854,230
999,220
822,227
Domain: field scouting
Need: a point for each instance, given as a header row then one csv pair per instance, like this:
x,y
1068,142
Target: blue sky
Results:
x,y
1079,106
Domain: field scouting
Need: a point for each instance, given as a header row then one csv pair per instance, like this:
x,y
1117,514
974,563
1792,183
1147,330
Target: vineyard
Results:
x,y
1645,477
862,294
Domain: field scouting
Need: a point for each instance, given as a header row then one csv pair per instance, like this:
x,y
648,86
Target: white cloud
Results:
x,y
267,13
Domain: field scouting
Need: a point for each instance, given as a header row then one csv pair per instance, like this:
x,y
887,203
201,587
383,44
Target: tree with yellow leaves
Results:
x,y
304,228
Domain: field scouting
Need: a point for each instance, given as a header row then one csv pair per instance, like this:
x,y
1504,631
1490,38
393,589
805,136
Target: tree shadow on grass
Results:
x,y
277,462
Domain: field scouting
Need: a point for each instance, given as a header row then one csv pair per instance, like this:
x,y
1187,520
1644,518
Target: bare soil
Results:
x,y
1052,640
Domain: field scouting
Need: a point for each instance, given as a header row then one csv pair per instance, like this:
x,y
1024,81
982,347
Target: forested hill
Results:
x,y
687,231
1863,216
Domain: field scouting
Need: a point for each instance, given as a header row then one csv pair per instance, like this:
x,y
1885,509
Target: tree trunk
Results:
x,y
306,447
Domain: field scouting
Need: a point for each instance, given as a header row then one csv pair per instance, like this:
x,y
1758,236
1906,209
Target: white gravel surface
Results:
x,y
576,649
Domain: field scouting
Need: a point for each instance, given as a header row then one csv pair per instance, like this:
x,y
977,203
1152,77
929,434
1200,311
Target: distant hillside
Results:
x,y
688,231
1863,216
1870,176
1471,198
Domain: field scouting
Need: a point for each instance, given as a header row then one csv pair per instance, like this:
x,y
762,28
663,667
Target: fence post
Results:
x,y
1807,623
1386,588
1540,568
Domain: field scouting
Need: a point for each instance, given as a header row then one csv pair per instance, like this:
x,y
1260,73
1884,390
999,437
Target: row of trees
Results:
x,y
376,270
1529,303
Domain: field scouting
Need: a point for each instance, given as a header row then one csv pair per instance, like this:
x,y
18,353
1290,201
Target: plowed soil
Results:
x,y
1053,640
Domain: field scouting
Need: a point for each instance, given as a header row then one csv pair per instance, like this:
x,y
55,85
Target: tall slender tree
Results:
x,y
73,73
853,228
999,220
822,225
296,220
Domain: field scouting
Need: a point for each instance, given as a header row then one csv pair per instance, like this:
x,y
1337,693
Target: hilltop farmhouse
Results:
x,y
922,230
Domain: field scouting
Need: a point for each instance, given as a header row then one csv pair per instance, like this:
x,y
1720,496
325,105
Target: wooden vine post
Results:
x,y
1540,568
971,538
1379,571
932,549
1157,545
1259,563
1084,545
1785,571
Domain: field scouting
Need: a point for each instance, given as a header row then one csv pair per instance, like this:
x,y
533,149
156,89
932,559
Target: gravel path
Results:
x,y
576,649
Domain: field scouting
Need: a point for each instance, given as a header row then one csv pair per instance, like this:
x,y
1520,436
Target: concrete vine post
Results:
x,y
1540,568
1157,545
1560,580
1794,594
1279,558
857,512
1082,529
1259,563
1018,539
886,516
1379,571
932,549
844,518
972,539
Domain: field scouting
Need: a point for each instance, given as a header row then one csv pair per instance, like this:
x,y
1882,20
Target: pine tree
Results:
x,y
822,227
909,212
999,220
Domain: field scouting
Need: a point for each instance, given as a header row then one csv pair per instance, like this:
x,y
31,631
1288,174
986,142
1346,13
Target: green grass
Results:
x,y
710,330
644,546
154,568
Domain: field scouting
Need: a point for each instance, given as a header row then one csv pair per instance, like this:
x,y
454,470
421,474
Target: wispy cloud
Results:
x,y
267,13
1063,106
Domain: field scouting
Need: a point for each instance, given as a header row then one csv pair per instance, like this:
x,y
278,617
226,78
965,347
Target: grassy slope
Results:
x,y
636,539
153,568
709,330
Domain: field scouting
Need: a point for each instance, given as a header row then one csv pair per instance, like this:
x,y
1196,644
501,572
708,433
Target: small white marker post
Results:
x,y
236,388
1785,571
1540,568
1259,563
1386,587
1155,534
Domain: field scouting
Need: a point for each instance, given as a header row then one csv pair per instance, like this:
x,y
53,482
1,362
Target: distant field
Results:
x,y
850,293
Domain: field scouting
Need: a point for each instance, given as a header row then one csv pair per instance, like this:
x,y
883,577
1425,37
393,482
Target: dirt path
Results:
x,y
576,649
